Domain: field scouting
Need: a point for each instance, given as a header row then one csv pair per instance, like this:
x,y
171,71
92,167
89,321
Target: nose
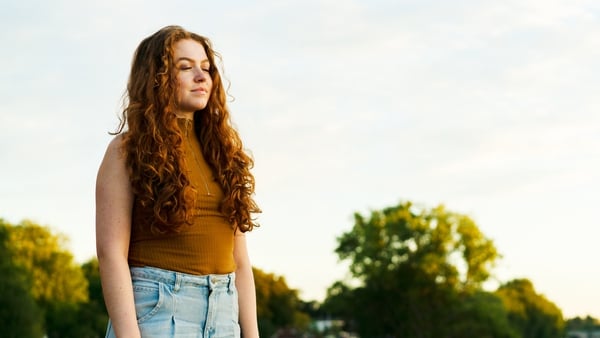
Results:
x,y
200,76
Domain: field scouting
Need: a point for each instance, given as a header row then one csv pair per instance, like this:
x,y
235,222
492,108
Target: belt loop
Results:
x,y
177,282
230,283
211,282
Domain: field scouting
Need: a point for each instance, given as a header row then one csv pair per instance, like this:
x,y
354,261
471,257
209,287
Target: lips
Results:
x,y
200,90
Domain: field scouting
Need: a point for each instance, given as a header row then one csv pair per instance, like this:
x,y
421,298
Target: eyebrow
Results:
x,y
184,58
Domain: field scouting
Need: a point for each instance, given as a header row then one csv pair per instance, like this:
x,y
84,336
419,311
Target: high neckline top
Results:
x,y
204,247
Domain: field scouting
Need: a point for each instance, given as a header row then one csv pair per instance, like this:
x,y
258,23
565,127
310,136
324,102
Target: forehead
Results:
x,y
190,49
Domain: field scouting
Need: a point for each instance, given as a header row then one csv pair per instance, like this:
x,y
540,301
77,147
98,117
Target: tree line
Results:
x,y
413,272
45,293
419,273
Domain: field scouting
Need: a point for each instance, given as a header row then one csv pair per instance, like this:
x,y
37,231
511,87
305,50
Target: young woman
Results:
x,y
174,199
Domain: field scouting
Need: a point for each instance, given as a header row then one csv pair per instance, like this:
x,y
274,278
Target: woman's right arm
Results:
x,y
114,203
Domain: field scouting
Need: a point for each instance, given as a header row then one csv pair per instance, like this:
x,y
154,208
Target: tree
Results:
x,y
58,286
94,314
19,314
278,306
419,271
530,313
483,315
56,276
435,242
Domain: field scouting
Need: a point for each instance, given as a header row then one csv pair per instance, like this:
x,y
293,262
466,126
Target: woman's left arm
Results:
x,y
244,282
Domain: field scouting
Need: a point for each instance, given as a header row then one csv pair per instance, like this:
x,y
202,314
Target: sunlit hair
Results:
x,y
152,139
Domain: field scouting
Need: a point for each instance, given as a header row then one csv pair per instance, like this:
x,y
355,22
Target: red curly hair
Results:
x,y
153,139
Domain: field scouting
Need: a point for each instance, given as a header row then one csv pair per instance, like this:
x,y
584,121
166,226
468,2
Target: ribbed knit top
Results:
x,y
206,246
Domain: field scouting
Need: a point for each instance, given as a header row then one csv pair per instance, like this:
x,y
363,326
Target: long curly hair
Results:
x,y
152,139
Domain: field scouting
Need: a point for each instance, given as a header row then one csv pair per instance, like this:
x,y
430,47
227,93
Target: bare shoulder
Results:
x,y
113,188
115,147
113,163
114,155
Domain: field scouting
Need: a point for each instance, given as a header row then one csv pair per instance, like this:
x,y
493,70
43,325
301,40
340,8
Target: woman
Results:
x,y
174,199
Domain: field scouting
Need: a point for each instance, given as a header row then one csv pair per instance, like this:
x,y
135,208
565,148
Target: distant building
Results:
x,y
323,325
595,333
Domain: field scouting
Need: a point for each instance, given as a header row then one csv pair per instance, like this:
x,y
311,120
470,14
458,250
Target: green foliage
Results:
x,y
421,273
19,314
94,312
441,245
59,286
56,277
63,321
530,313
49,291
481,314
278,306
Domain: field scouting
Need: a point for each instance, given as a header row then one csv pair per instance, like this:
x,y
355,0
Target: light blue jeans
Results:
x,y
175,304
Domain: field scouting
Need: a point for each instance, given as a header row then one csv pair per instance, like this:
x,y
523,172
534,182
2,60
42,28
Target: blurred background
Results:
x,y
487,108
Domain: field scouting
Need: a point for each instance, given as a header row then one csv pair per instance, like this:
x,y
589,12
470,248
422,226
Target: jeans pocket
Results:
x,y
148,296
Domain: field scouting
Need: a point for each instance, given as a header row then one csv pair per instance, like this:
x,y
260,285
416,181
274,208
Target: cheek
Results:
x,y
180,82
211,86
181,85
179,95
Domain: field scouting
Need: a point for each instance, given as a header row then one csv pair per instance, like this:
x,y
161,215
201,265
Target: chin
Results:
x,y
196,107
201,106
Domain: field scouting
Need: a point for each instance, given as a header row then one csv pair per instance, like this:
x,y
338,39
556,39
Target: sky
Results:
x,y
488,107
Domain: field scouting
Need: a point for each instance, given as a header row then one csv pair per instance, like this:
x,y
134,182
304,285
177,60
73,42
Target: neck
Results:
x,y
188,116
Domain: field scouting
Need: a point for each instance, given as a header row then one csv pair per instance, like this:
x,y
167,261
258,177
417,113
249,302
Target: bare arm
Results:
x,y
114,201
246,289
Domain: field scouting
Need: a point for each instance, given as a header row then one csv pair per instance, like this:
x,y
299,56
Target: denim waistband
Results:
x,y
178,279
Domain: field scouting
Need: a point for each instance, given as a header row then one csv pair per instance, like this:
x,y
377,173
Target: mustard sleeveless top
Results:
x,y
206,246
